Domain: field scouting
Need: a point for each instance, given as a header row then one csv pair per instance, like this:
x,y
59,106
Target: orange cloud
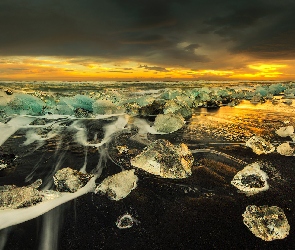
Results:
x,y
57,68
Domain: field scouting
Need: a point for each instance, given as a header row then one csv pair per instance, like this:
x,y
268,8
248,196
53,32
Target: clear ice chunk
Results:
x,y
118,186
267,223
164,159
3,166
25,104
177,107
168,123
13,197
251,180
70,180
259,145
285,131
125,221
285,149
106,107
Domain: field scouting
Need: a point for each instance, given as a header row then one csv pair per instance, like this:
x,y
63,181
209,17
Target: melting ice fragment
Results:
x,y
9,217
285,131
3,166
166,160
12,197
285,149
251,180
69,180
168,123
259,145
125,221
118,186
267,223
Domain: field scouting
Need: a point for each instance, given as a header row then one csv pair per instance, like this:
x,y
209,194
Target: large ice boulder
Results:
x,y
106,107
118,186
75,105
259,145
164,159
178,107
25,104
267,223
168,123
70,180
262,91
276,89
251,180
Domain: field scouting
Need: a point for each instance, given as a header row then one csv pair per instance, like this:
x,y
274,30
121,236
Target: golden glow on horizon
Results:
x,y
55,68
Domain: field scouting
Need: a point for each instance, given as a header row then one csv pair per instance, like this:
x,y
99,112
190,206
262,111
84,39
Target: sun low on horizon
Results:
x,y
68,69
146,40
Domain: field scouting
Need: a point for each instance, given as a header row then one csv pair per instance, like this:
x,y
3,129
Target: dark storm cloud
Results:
x,y
148,31
192,47
155,68
263,29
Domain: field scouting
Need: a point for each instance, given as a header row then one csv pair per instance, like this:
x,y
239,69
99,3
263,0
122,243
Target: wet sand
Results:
x,y
203,211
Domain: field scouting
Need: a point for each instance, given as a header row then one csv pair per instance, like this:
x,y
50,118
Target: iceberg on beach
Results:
x,y
69,180
168,123
251,180
178,107
285,131
106,107
285,149
25,104
124,221
259,145
164,159
266,222
118,186
12,197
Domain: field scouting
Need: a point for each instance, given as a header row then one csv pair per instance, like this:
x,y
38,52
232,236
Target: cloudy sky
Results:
x,y
147,39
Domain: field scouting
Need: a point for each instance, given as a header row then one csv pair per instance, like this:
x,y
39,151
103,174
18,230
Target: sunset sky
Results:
x,y
147,39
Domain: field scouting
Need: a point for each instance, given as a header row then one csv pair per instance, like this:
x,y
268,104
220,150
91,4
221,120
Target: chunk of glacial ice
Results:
x,y
70,180
3,166
285,131
164,159
79,101
12,197
276,89
262,91
251,180
118,186
259,145
177,107
106,107
126,221
267,223
25,104
10,217
168,123
285,149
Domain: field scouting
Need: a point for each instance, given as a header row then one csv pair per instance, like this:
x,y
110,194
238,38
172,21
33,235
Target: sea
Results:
x,y
98,127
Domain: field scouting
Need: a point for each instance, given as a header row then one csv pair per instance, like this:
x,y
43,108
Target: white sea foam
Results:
x,y
8,129
15,216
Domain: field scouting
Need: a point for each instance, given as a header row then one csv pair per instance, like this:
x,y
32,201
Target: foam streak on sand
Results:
x,y
15,216
6,130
